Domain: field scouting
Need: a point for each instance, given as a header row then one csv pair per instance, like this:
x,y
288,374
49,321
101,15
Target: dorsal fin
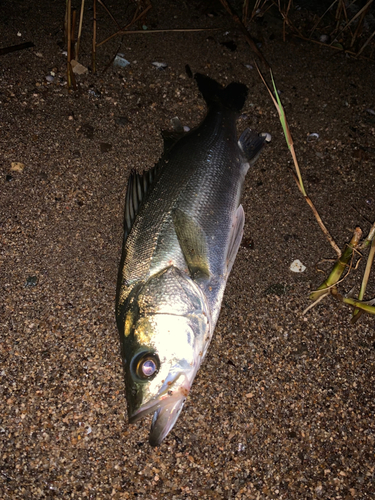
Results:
x,y
138,186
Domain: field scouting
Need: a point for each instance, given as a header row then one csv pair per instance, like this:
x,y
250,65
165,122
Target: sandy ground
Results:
x,y
283,407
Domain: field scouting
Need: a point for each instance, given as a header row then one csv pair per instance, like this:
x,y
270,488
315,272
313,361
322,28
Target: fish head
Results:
x,y
167,330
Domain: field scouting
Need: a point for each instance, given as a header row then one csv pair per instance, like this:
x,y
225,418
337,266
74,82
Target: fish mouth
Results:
x,y
166,408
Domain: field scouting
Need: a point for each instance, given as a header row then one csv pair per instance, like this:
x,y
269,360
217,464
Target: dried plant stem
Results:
x,y
366,275
245,11
109,13
318,21
94,39
69,34
365,44
147,32
350,52
289,140
369,238
248,38
340,265
79,29
359,13
319,299
124,30
323,227
363,306
73,29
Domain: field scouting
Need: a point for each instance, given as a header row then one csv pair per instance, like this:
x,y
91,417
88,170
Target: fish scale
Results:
x,y
183,228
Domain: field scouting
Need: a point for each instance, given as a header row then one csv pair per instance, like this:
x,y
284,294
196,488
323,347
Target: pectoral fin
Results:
x,y
193,243
235,237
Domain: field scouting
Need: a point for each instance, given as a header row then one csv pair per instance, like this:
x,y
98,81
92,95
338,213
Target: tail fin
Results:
x,y
233,96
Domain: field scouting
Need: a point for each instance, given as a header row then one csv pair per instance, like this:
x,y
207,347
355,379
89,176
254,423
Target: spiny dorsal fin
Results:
x,y
138,186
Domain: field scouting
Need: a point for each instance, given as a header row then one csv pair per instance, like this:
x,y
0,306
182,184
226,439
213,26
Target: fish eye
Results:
x,y
147,366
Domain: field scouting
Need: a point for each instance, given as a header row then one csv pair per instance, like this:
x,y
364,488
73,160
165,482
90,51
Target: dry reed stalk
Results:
x,y
79,30
94,39
145,32
246,34
110,14
69,35
340,266
298,177
124,30
370,259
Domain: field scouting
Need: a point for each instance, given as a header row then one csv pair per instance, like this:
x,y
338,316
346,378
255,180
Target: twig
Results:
x,y
318,21
248,38
354,17
145,32
14,48
320,298
341,49
124,31
365,44
109,13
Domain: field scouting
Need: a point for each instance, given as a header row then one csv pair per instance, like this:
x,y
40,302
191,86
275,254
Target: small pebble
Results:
x,y
17,166
31,281
120,61
105,147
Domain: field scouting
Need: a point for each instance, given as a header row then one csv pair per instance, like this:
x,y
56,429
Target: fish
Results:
x,y
183,226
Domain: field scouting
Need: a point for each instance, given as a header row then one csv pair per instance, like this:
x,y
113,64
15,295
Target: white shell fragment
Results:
x,y
160,65
267,136
312,137
297,267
